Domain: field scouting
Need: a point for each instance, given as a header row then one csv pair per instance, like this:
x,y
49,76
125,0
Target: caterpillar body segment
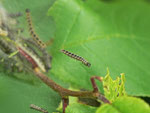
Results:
x,y
10,61
6,46
47,60
15,15
31,30
74,56
44,56
29,54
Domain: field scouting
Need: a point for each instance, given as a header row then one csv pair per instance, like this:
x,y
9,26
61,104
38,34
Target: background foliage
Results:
x,y
108,33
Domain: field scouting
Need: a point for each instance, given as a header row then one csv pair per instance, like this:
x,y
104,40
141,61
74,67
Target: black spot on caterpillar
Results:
x,y
31,30
76,57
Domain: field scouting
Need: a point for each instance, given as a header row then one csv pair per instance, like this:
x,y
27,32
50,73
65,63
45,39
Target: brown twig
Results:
x,y
64,93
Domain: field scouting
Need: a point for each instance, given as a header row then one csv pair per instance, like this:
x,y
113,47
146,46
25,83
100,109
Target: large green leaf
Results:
x,y
16,96
125,105
108,34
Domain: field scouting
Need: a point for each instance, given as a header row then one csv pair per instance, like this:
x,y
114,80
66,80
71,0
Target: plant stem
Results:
x,y
65,92
62,91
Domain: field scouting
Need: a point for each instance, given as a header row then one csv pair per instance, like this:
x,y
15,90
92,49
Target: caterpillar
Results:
x,y
15,15
79,58
30,56
10,62
9,47
32,106
45,57
27,48
32,33
8,22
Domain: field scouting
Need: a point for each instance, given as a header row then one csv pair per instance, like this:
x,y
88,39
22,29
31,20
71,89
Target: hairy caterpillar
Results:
x,y
8,29
27,52
9,59
8,23
76,57
11,43
33,34
45,57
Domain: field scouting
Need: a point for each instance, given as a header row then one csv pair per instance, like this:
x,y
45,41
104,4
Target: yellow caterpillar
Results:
x,y
31,30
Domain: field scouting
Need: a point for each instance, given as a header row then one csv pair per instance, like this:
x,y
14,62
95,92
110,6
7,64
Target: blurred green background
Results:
x,y
108,33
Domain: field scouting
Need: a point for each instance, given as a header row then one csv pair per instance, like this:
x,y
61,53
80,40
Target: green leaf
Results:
x,y
113,88
16,96
125,105
108,34
80,108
